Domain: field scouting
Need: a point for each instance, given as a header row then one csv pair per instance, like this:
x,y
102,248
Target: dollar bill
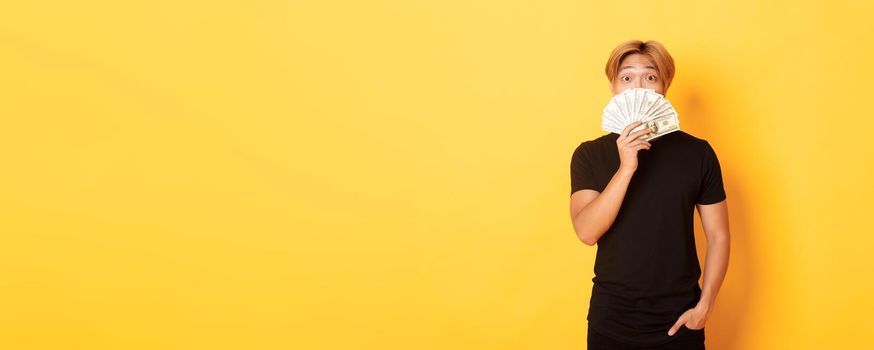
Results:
x,y
659,126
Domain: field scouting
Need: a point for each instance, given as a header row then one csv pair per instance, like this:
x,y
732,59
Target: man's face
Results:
x,y
637,71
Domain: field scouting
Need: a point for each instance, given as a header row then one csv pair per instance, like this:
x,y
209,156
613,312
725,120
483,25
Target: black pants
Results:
x,y
692,341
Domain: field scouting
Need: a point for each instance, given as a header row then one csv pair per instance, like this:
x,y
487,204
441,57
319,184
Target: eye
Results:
x,y
623,78
651,76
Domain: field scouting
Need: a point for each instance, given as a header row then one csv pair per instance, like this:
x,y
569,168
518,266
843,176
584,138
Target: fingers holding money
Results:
x,y
628,129
629,144
632,139
638,145
642,134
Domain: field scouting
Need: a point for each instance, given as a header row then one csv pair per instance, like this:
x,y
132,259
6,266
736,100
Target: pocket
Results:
x,y
693,330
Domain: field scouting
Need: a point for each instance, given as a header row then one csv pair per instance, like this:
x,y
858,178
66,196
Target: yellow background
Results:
x,y
395,174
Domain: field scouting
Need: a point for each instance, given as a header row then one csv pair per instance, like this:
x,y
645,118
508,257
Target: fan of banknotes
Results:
x,y
641,104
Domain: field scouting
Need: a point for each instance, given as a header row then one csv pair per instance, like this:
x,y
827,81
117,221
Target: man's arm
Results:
x,y
714,218
592,213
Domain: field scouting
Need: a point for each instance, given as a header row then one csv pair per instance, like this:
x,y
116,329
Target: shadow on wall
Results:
x,y
700,112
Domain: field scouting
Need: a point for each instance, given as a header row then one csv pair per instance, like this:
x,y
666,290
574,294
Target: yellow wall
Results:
x,y
395,174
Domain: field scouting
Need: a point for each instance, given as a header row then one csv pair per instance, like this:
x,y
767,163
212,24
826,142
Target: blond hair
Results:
x,y
653,49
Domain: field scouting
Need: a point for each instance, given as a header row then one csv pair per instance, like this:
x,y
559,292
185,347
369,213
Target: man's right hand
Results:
x,y
628,145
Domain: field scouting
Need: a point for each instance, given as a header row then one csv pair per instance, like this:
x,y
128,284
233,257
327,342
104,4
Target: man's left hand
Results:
x,y
693,318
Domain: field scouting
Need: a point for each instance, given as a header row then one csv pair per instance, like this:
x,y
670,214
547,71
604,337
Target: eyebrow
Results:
x,y
650,67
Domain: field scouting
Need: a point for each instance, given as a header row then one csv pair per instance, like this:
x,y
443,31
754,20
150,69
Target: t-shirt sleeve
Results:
x,y
711,190
582,172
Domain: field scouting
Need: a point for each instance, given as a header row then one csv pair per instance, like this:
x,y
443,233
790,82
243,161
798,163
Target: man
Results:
x,y
638,207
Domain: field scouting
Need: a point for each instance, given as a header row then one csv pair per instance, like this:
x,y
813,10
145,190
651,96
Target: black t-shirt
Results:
x,y
646,267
